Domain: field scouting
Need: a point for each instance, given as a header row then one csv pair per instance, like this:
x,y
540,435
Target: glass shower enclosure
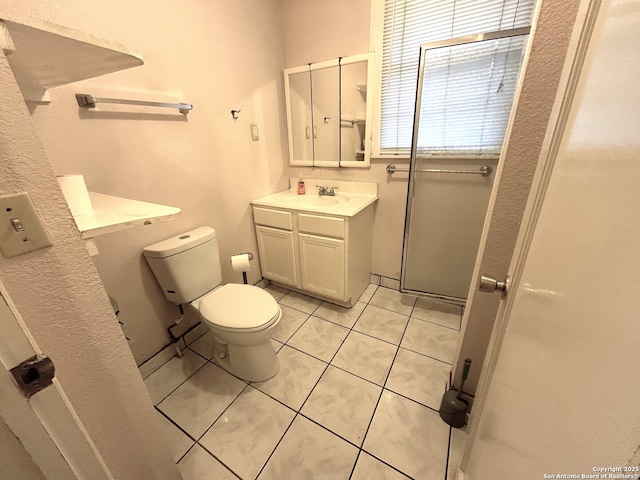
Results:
x,y
466,88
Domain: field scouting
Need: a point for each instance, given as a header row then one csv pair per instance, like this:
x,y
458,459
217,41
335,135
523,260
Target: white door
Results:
x,y
277,255
562,397
45,425
322,265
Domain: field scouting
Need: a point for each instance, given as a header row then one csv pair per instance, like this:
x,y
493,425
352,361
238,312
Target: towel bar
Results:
x,y
89,101
484,170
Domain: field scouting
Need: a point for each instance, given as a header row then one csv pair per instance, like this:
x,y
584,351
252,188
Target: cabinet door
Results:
x,y
277,255
322,265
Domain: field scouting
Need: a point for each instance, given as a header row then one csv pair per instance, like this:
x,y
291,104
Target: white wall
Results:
x,y
318,30
564,393
15,461
61,299
218,55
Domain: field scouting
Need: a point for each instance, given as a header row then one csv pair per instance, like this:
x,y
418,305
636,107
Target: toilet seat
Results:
x,y
236,307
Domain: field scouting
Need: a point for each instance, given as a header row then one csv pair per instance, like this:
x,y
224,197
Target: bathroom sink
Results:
x,y
315,200
350,198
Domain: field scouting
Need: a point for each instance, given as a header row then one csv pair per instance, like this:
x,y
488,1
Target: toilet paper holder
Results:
x,y
244,274
243,253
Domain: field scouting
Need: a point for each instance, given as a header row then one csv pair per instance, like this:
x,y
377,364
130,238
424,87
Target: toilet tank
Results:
x,y
186,266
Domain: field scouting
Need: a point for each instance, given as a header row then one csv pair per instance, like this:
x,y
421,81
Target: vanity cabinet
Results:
x,y
325,256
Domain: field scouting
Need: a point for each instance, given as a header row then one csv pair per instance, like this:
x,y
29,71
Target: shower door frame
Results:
x,y
467,39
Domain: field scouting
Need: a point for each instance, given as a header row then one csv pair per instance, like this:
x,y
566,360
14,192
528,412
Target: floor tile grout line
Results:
x,y
426,356
329,430
355,464
181,383
313,388
187,452
298,412
211,425
307,353
295,331
332,358
434,323
374,337
390,309
321,319
364,438
216,419
199,354
355,375
195,442
274,398
175,424
223,411
266,462
327,364
382,461
219,461
411,399
446,468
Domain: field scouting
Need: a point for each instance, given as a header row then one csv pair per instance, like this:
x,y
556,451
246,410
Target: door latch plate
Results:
x,y
34,374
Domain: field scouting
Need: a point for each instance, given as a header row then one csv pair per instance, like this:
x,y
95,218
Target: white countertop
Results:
x,y
350,198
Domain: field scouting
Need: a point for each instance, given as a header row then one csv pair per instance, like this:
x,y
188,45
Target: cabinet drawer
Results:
x,y
327,226
273,218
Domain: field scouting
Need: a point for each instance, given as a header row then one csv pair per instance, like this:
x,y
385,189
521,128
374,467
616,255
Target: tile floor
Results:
x,y
356,396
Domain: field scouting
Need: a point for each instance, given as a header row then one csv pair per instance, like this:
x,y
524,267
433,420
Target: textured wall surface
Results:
x,y
216,55
61,299
539,86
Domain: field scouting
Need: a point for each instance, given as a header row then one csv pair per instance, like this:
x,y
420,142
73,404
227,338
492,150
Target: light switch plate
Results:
x,y
255,135
21,230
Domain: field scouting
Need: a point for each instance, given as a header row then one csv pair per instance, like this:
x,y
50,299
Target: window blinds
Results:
x,y
466,113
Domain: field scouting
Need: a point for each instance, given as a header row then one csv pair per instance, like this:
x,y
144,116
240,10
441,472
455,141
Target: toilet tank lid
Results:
x,y
179,243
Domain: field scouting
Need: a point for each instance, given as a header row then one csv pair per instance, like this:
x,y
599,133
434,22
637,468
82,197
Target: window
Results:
x,y
474,117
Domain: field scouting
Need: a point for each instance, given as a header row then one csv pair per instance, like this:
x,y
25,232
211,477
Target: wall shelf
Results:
x,y
112,214
43,55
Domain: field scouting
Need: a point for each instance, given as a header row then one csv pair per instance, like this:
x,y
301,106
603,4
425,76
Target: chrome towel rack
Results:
x,y
484,170
89,101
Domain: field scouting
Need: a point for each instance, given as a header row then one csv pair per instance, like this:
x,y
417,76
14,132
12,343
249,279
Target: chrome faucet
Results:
x,y
326,191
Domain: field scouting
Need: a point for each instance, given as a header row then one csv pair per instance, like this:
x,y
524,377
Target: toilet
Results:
x,y
241,317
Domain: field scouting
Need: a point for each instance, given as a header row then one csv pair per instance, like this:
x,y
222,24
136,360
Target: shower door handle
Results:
x,y
488,284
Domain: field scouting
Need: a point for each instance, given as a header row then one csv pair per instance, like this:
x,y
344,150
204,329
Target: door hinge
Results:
x,y
34,374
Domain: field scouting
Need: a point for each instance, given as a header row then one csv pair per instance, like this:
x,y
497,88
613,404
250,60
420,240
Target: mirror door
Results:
x,y
325,94
298,87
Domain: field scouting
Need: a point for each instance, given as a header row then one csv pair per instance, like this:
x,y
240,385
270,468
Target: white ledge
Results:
x,y
111,214
44,55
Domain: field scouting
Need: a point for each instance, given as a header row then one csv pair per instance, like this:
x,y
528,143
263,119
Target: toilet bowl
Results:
x,y
241,317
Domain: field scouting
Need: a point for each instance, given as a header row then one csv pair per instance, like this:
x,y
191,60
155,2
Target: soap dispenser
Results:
x,y
301,189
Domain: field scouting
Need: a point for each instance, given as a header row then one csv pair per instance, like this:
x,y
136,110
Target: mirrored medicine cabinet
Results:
x,y
328,115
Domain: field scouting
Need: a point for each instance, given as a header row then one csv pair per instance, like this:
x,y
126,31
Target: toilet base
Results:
x,y
253,363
